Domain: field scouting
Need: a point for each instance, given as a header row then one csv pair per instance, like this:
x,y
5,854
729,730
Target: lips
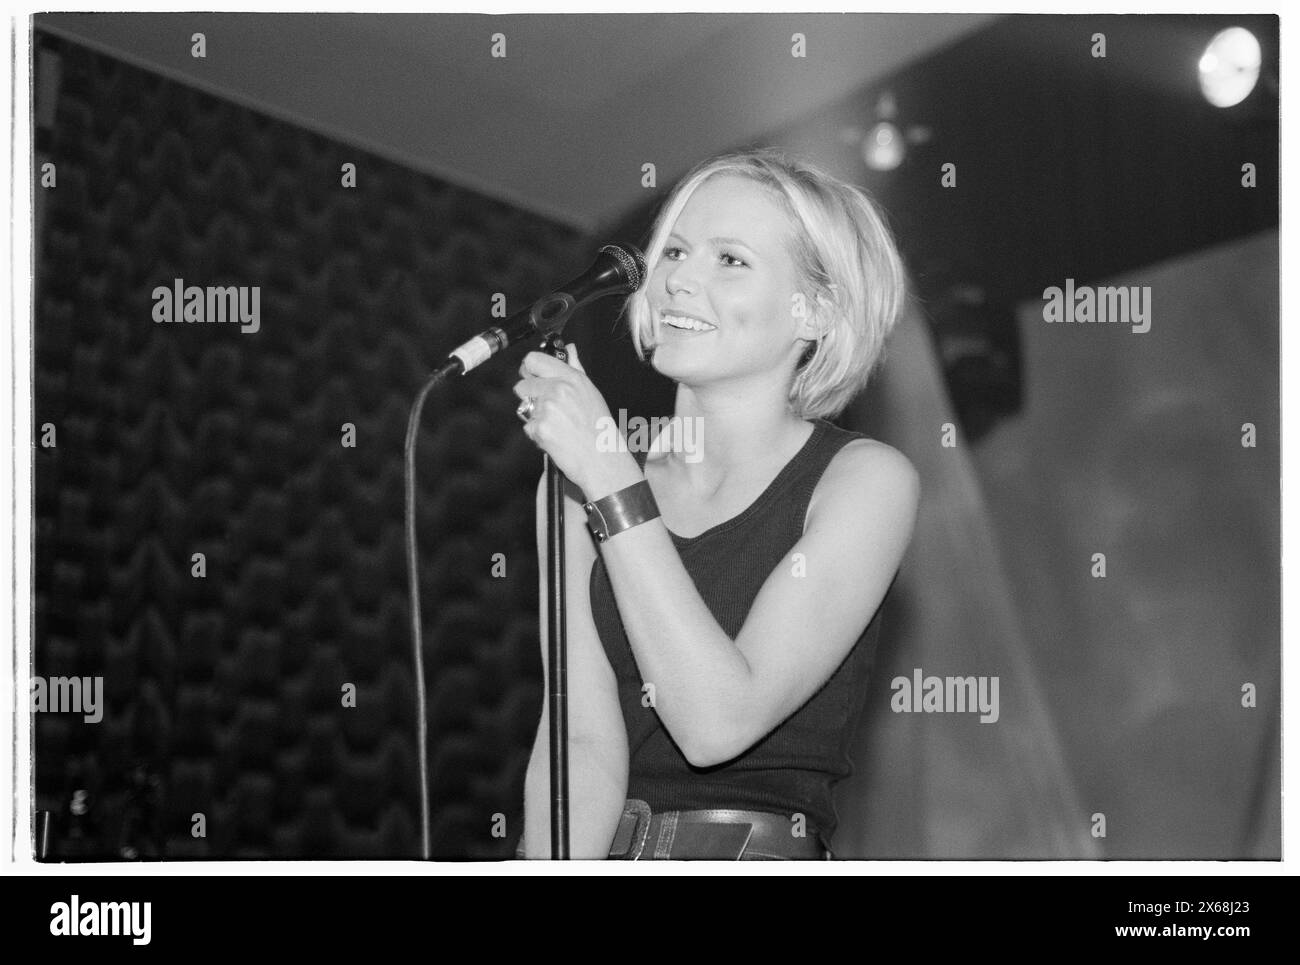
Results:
x,y
679,321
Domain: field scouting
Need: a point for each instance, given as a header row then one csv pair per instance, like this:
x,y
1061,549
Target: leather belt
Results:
x,y
718,834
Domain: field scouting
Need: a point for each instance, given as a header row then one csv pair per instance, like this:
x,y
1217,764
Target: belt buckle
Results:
x,y
633,830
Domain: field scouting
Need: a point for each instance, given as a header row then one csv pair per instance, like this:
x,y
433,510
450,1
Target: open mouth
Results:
x,y
685,323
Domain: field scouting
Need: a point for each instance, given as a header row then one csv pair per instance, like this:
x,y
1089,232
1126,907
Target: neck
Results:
x,y
737,434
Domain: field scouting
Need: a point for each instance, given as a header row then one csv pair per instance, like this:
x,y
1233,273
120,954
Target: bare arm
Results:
x,y
598,754
717,696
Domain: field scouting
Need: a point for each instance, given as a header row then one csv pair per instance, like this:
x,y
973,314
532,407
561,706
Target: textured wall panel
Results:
x,y
223,694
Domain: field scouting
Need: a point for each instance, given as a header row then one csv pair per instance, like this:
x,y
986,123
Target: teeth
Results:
x,y
692,324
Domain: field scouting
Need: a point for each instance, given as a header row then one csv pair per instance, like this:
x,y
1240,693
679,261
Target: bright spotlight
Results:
x,y
883,148
1229,68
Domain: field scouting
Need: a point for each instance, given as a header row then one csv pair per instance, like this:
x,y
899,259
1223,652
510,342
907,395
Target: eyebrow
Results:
x,y
717,241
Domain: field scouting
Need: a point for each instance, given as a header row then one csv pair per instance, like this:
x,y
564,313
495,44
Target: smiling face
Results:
x,y
721,295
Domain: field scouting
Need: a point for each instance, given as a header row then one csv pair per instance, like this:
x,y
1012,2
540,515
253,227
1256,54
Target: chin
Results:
x,y
675,364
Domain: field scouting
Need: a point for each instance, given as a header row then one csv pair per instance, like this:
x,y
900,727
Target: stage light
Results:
x,y
1229,68
883,148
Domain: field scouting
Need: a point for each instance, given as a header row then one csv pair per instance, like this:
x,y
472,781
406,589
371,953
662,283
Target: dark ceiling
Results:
x,y
1074,166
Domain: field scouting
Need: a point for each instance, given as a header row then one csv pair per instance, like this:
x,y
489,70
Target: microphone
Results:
x,y
617,270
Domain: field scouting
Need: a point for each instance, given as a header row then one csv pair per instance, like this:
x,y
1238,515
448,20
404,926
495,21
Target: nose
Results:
x,y
681,276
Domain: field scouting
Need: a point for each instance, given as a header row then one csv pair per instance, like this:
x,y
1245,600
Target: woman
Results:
x,y
720,624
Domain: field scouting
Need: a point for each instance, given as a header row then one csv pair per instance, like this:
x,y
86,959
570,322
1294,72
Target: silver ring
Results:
x,y
525,410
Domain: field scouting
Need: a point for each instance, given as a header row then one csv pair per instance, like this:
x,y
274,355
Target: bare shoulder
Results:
x,y
868,473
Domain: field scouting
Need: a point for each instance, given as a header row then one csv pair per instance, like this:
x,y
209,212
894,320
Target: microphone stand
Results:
x,y
557,654
618,271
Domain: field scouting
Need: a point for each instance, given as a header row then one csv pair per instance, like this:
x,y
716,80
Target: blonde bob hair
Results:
x,y
847,263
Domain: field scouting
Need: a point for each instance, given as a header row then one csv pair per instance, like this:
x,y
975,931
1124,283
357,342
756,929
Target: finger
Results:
x,y
541,364
527,386
573,358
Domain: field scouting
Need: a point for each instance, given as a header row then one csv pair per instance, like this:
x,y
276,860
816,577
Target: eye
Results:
x,y
668,253
738,261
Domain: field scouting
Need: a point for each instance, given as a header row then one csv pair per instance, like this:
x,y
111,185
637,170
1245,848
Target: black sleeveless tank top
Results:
x,y
791,770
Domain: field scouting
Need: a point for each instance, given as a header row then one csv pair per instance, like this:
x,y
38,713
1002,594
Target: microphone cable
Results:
x,y
413,570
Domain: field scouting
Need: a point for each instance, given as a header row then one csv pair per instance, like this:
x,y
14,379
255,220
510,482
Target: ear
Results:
x,y
814,327
819,325
817,322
